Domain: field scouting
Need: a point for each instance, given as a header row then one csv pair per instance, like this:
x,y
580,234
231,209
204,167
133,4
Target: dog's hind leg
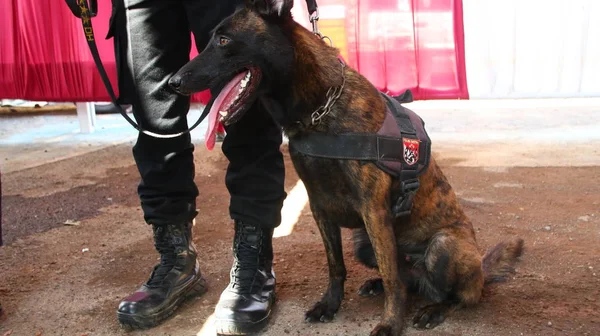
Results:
x,y
451,276
325,309
374,287
371,287
363,252
464,273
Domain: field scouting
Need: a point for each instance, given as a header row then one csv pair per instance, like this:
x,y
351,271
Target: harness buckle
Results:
x,y
408,189
411,185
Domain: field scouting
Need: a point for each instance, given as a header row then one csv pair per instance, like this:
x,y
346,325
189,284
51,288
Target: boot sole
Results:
x,y
131,322
235,328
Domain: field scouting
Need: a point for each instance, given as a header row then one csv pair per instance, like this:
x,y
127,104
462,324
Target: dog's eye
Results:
x,y
223,40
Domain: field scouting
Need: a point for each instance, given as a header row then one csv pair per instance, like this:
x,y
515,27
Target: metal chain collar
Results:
x,y
332,96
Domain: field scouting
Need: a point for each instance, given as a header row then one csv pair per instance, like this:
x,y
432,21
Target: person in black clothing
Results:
x,y
152,41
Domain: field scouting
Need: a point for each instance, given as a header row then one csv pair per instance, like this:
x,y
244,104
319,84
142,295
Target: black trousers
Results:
x,y
152,41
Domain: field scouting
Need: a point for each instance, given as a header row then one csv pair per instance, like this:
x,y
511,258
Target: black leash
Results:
x,y
85,11
81,9
312,6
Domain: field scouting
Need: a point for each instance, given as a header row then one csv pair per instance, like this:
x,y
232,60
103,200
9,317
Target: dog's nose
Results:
x,y
175,81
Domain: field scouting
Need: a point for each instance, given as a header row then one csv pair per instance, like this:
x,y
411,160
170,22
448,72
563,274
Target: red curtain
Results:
x,y
397,44
47,57
408,44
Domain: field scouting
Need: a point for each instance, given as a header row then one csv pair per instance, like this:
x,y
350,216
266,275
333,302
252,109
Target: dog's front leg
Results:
x,y
378,222
325,309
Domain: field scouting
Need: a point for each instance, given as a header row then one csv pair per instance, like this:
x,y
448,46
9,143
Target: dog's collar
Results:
x,y
332,96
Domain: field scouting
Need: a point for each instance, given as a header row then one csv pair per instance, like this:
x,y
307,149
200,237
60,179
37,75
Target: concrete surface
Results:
x,y
526,132
28,140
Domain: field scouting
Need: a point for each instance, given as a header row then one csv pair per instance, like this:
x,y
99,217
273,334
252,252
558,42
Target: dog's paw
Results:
x,y
386,329
430,317
371,287
322,312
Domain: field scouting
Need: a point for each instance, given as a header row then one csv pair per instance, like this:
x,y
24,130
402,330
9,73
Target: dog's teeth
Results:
x,y
223,113
248,75
244,82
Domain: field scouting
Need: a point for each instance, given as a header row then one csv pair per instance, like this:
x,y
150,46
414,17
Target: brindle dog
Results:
x,y
261,55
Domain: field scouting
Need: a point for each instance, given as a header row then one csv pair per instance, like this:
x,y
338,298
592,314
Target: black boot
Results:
x,y
175,278
245,305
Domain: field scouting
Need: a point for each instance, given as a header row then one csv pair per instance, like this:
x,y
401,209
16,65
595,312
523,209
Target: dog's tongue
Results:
x,y
218,105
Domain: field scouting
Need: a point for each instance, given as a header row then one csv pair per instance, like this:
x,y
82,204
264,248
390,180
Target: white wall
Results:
x,y
532,48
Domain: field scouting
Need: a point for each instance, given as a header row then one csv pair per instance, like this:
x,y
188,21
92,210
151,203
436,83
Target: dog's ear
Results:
x,y
280,8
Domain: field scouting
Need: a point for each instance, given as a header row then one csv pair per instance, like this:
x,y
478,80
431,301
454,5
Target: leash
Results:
x,y
85,12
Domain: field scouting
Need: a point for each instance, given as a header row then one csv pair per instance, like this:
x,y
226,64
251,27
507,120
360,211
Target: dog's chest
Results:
x,y
330,187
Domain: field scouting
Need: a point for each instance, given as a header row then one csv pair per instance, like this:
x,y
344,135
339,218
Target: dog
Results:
x,y
260,55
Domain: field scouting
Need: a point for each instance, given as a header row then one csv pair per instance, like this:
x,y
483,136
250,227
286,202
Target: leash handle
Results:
x,y
81,9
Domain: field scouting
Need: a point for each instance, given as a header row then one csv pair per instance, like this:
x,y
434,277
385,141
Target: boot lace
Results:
x,y
247,260
168,257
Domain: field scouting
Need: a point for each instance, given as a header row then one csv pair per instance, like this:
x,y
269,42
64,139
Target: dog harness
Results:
x,y
401,148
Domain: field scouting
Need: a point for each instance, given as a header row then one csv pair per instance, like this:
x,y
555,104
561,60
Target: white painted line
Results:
x,y
292,208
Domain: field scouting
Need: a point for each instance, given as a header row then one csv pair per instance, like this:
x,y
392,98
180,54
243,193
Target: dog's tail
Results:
x,y
499,261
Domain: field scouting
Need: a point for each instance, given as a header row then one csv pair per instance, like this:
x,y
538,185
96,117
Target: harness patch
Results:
x,y
411,151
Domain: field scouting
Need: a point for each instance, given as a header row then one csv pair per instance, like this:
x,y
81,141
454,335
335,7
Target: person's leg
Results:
x,y
256,173
158,44
255,180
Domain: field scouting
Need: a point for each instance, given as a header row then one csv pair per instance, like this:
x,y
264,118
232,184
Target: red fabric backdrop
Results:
x,y
397,44
409,44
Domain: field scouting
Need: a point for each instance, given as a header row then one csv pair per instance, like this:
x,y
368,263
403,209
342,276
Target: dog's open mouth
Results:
x,y
237,96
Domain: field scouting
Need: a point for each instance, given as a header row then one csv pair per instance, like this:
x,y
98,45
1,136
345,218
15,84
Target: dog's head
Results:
x,y
247,55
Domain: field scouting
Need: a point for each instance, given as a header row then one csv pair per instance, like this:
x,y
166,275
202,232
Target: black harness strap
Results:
x,y
358,146
407,178
403,120
348,146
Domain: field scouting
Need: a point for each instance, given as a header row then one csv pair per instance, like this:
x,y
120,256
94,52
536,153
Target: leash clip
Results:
x,y
314,20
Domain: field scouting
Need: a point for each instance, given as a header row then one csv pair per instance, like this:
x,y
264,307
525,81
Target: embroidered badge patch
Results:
x,y
411,151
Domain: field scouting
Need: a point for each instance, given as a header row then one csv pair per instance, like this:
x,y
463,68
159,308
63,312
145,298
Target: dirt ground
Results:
x,y
58,279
